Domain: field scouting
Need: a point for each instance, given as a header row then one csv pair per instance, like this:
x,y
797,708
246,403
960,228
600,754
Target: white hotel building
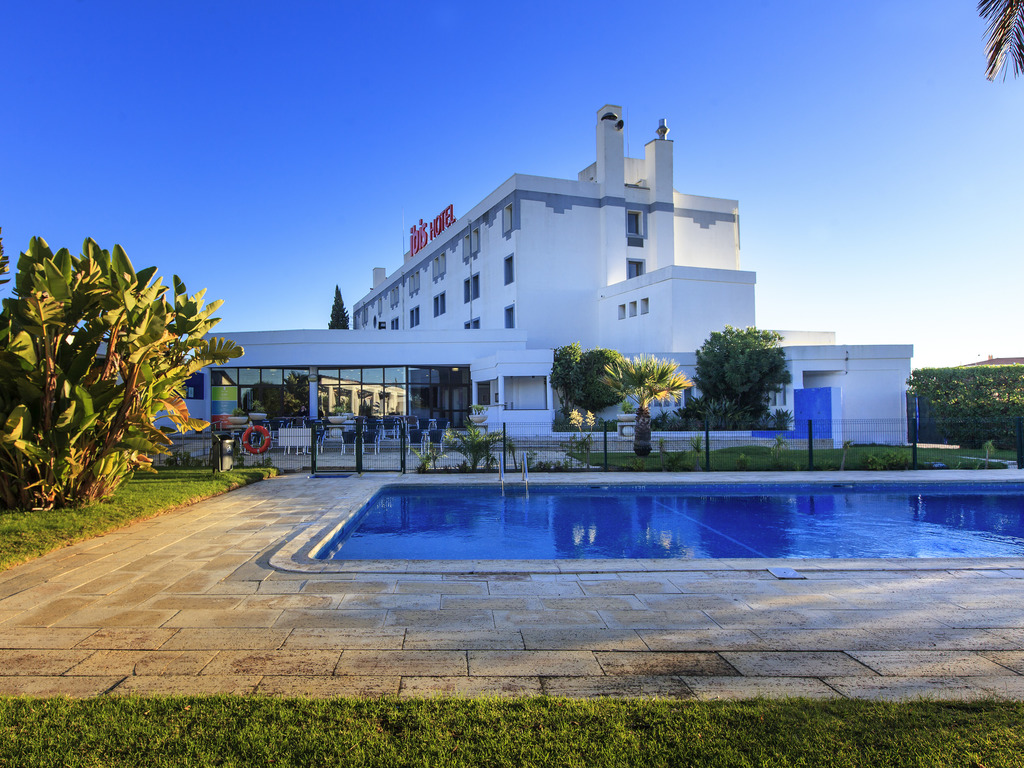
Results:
x,y
615,258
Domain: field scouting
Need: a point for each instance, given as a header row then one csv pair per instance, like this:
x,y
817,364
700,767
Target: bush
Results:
x,y
973,404
91,353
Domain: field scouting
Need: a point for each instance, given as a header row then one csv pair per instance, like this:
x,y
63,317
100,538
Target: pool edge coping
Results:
x,y
294,554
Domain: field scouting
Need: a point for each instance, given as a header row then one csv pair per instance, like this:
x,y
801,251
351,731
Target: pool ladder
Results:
x,y
501,474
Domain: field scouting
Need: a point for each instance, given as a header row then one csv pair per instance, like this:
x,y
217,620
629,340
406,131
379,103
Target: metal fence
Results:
x,y
815,444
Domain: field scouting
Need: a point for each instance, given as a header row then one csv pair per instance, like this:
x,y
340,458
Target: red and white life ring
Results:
x,y
247,439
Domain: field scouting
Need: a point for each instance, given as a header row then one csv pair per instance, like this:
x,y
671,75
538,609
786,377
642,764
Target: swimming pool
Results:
x,y
684,522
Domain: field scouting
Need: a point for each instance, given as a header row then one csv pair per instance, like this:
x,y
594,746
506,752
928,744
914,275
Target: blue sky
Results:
x,y
268,151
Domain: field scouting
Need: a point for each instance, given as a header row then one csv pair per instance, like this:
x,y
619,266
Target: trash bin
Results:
x,y
222,454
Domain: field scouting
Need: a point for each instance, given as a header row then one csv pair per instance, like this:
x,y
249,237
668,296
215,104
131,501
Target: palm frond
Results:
x,y
1005,34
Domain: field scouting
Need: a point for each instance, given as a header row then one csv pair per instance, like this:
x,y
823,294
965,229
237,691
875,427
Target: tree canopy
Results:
x,y
578,378
645,380
743,367
91,354
339,315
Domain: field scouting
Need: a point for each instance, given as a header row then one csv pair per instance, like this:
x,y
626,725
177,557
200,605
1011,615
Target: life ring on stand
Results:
x,y
264,441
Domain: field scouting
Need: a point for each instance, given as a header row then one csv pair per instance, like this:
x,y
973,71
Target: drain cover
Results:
x,y
785,573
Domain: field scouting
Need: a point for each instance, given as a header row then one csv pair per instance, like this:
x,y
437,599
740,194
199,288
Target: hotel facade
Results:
x,y
615,258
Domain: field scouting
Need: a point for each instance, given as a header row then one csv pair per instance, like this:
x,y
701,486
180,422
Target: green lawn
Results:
x,y
28,534
253,731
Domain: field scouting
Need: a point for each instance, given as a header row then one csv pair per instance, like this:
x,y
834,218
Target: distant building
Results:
x,y
997,361
615,258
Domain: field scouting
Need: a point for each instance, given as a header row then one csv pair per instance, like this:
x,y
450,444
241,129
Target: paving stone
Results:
x,y
441,587
610,603
691,602
940,639
1013,660
617,686
542,618
928,663
196,639
341,639
348,587
127,639
415,663
531,663
905,688
1009,687
51,612
36,662
51,637
504,687
582,639
629,587
491,602
280,662
53,685
536,588
794,663
390,601
712,688
236,618
475,639
658,620
101,616
282,602
663,663
702,640
143,663
327,619
329,687
449,620
819,639
186,685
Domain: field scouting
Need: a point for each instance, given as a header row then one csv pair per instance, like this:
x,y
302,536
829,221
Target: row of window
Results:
x,y
438,270
633,308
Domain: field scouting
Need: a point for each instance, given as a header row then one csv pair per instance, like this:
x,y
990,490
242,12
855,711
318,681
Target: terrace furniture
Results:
x,y
294,437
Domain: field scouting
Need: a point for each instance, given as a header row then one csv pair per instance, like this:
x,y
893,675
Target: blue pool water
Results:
x,y
571,522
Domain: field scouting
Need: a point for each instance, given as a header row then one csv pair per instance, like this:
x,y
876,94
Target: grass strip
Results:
x,y
28,534
541,731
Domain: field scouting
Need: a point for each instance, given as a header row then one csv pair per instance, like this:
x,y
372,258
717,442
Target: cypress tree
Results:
x,y
339,315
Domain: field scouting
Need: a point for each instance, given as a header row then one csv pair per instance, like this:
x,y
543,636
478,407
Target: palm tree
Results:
x,y
645,380
1005,34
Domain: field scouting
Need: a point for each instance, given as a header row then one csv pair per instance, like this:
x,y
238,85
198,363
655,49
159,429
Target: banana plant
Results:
x,y
92,352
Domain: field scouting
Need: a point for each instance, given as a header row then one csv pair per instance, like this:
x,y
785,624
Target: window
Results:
x,y
438,267
632,309
622,311
633,223
394,297
471,288
466,252
380,304
506,219
394,324
634,268
414,317
510,316
439,304
645,306
474,243
474,323
777,398
414,282
510,270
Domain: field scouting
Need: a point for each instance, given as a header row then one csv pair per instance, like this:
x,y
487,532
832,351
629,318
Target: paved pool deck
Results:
x,y
222,597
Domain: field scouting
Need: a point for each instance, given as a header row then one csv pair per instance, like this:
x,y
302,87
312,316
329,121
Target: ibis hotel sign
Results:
x,y
420,235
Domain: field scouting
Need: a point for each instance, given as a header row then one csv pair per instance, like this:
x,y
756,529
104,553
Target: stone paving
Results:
x,y
222,597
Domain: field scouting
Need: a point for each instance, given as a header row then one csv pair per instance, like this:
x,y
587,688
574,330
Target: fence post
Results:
x,y
1020,442
312,449
913,449
359,449
504,447
401,443
605,432
707,445
810,445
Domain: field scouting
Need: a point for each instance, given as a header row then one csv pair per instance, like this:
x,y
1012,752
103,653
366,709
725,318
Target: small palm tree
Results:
x,y
645,380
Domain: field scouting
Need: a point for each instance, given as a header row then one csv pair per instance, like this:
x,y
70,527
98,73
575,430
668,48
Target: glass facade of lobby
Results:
x,y
431,392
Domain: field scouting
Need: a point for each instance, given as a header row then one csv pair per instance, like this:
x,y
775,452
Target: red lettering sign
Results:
x,y
421,234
